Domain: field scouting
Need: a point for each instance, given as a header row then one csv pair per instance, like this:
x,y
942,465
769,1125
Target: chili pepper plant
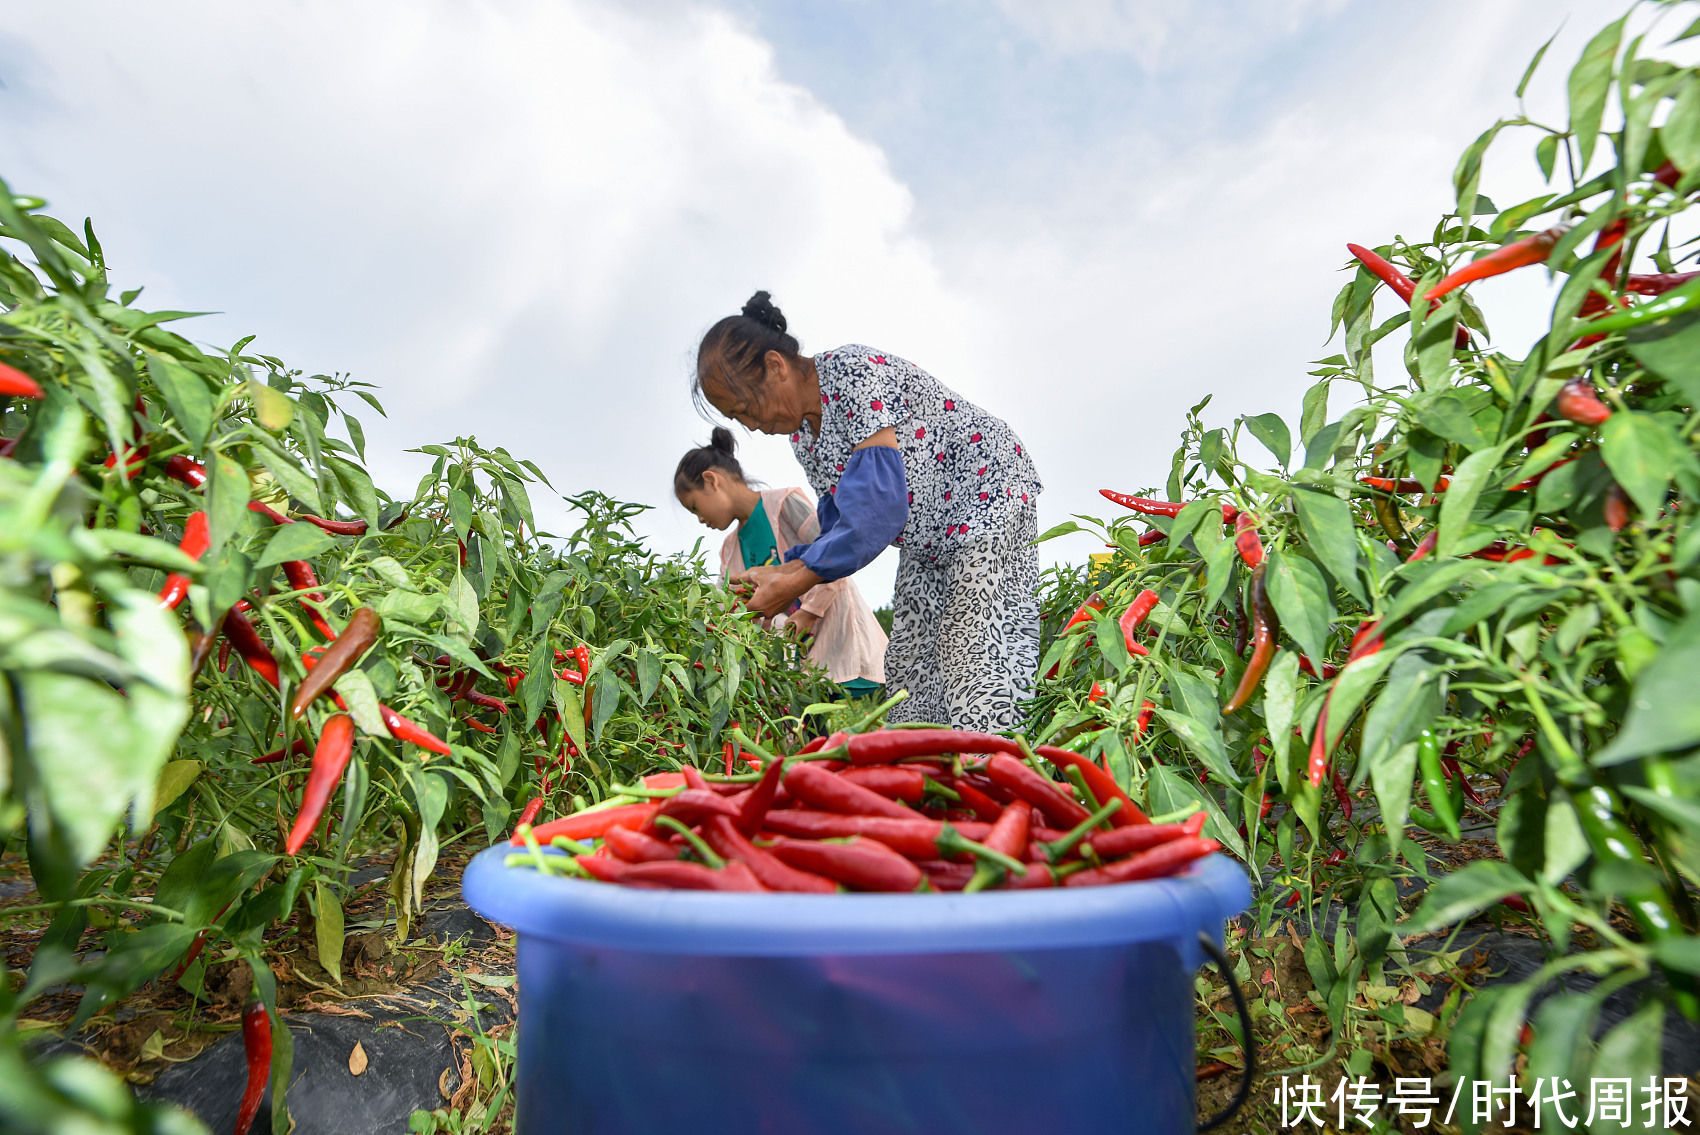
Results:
x,y
1482,575
185,537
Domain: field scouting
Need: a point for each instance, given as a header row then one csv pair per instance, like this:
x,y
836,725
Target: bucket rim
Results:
x,y
585,913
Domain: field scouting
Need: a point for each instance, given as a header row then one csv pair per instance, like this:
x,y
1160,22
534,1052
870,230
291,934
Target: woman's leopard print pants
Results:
x,y
965,635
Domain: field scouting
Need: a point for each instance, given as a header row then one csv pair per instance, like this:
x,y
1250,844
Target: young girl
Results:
x,y
847,641
898,458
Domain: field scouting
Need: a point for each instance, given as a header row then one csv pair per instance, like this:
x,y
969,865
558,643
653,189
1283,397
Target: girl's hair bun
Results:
x,y
760,308
721,441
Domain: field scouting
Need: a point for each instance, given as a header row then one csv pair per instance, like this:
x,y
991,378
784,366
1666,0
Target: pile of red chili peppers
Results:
x,y
891,810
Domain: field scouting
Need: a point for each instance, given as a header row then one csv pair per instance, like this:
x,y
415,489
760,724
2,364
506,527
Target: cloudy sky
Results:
x,y
518,216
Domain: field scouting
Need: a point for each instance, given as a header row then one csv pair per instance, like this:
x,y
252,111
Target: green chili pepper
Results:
x,y
1447,801
1678,301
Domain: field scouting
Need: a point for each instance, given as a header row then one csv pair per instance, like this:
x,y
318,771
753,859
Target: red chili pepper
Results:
x,y
1142,605
1328,668
1155,536
1453,769
635,847
486,701
774,873
861,864
1657,283
592,825
1143,721
690,807
1335,857
1083,613
678,875
1579,402
1007,837
474,723
257,1054
1153,507
269,512
1155,863
888,746
754,808
337,527
300,575
1096,693
1266,629
919,838
1246,540
1403,484
276,755
330,758
15,383
1616,508
1518,254
528,814
1341,796
356,639
1042,793
832,793
1667,174
944,875
1403,286
404,730
982,805
906,783
1126,841
249,645
194,545
1103,786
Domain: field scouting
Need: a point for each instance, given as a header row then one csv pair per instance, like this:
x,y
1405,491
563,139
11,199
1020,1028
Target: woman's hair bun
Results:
x,y
760,308
721,441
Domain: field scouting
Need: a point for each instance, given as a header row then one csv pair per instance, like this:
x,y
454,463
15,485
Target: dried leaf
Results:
x,y
357,1060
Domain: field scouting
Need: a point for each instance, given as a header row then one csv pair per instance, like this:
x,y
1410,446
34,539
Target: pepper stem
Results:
x,y
952,842
645,791
934,788
1078,779
697,845
1058,849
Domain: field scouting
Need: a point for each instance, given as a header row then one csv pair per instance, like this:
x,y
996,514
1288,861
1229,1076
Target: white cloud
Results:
x,y
517,219
1162,36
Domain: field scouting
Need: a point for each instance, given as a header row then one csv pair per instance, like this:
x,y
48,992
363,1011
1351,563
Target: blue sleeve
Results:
x,y
866,513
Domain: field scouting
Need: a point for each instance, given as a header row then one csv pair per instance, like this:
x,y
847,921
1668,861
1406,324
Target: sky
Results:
x,y
517,217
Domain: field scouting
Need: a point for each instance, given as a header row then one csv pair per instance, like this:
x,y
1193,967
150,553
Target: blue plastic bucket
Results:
x,y
663,1012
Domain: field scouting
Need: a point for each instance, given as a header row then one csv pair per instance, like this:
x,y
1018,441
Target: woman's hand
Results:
x,y
777,587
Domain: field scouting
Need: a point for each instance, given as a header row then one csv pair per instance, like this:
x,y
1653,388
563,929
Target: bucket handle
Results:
x,y
1243,1092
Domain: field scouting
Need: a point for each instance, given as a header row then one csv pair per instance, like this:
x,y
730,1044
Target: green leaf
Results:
x,y
294,542
1529,71
1327,522
1280,704
1170,792
1546,154
567,704
1467,891
1066,528
1204,741
186,395
1642,453
1456,504
362,701
462,608
327,929
648,674
1272,433
1631,1050
1408,703
1672,352
1391,776
272,407
1664,714
227,502
356,487
287,472
389,569
1315,411
1682,129
174,780
1566,846
1590,84
408,606
1300,596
